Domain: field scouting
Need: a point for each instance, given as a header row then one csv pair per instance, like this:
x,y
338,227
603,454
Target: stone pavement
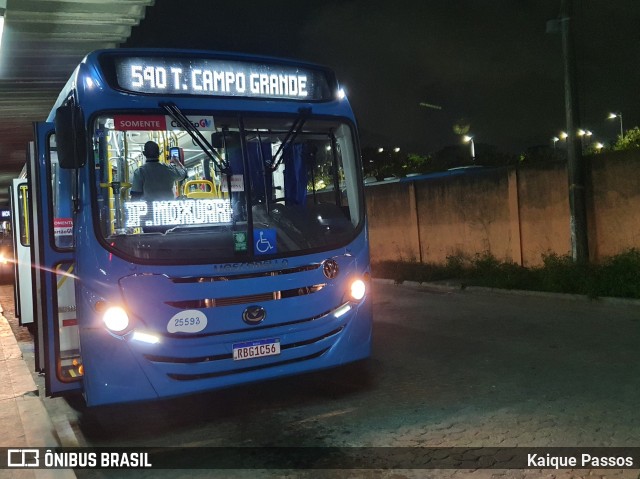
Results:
x,y
565,373
24,421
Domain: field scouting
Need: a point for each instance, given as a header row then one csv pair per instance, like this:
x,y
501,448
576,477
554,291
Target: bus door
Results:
x,y
51,190
22,251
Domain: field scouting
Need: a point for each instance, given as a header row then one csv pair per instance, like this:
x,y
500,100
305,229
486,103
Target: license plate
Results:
x,y
256,349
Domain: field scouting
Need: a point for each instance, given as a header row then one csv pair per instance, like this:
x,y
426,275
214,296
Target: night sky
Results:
x,y
488,63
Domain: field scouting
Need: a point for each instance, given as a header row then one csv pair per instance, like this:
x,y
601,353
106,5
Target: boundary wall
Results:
x,y
515,214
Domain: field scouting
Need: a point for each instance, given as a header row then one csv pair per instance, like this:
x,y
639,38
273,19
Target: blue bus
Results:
x,y
254,266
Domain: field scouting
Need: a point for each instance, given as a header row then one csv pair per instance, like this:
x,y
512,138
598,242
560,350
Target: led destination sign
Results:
x,y
177,212
212,77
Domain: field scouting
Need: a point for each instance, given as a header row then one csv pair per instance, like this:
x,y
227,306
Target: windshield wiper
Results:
x,y
303,114
175,113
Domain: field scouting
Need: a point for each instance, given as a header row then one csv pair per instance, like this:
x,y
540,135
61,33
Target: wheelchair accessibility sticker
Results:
x,y
264,241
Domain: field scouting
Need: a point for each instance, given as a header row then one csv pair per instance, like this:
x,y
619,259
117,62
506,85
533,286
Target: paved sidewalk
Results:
x,y
24,421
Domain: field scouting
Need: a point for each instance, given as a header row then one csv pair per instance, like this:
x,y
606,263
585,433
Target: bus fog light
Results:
x,y
342,310
358,289
116,319
145,337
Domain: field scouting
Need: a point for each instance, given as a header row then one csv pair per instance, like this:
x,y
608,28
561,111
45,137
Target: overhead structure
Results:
x,y
42,42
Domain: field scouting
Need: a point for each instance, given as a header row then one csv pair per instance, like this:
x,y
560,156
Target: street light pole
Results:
x,y
621,130
584,134
469,139
575,163
619,116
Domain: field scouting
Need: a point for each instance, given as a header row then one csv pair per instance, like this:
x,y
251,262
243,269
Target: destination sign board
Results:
x,y
216,77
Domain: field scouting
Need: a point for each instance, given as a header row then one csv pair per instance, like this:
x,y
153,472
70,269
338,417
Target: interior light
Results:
x,y
116,319
358,289
1,27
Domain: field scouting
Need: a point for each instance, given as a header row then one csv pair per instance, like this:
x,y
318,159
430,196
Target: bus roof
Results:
x,y
201,73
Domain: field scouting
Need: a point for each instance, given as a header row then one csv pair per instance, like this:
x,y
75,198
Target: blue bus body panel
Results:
x,y
311,335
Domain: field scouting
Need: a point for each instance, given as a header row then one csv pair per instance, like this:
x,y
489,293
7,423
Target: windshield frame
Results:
x,y
250,257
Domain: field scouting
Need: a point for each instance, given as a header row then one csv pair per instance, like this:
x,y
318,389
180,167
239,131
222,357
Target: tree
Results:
x,y
415,163
388,163
630,140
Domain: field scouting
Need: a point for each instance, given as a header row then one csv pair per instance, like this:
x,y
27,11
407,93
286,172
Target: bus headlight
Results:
x,y
116,319
357,289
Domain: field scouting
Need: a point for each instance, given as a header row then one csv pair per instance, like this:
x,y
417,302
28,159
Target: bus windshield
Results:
x,y
256,187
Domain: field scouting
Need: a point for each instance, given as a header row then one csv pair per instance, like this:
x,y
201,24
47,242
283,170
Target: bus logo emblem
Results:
x,y
254,315
330,268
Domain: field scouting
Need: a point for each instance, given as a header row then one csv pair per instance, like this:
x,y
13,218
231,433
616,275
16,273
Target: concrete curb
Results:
x,y
452,286
446,286
20,393
545,294
384,281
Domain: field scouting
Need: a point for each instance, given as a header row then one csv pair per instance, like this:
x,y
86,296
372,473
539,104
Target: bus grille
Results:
x,y
219,357
191,377
308,319
212,359
250,298
231,277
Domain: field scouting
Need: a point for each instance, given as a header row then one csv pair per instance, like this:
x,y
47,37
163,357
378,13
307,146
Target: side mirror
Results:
x,y
71,140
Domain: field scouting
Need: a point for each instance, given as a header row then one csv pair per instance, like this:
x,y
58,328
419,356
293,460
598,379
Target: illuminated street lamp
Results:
x,y
396,149
380,150
619,116
563,135
598,146
469,139
583,134
555,140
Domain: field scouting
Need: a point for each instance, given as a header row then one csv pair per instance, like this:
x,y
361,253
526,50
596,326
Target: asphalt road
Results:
x,y
449,369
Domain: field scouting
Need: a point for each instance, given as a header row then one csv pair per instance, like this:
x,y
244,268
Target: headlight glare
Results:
x,y
115,319
358,289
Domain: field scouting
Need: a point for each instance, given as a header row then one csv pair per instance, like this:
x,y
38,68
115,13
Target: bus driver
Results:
x,y
154,180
